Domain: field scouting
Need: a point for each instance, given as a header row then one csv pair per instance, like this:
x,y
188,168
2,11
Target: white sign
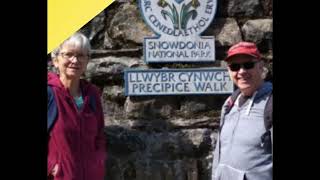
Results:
x,y
178,24
177,82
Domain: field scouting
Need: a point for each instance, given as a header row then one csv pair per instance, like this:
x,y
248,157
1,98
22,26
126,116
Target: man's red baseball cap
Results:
x,y
247,48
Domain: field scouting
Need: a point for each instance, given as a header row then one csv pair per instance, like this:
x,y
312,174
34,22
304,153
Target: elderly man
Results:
x,y
244,145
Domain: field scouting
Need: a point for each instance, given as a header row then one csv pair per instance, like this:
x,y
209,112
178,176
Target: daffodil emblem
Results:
x,y
179,20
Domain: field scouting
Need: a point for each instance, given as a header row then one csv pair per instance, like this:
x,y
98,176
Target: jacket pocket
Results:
x,y
226,172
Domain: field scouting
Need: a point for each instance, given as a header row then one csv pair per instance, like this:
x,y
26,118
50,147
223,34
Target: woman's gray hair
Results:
x,y
78,40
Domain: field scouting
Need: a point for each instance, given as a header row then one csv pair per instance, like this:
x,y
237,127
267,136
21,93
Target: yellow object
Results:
x,y
67,16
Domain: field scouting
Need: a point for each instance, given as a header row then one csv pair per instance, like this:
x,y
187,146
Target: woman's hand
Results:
x,y
55,170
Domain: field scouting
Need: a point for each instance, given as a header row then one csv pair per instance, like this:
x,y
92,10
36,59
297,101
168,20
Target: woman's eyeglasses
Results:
x,y
70,56
246,65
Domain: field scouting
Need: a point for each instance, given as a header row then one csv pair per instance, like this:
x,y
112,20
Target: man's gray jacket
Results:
x,y
244,147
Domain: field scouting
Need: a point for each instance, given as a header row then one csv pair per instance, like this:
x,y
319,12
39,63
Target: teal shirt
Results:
x,y
79,102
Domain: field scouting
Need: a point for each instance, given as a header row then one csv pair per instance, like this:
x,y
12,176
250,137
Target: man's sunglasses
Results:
x,y
246,65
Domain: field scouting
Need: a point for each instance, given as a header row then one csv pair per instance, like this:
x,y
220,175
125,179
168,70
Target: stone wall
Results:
x,y
164,137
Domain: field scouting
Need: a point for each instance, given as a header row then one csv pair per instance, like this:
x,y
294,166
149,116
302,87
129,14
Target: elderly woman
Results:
x,y
76,146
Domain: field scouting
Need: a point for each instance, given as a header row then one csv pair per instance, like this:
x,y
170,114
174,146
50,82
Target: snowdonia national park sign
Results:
x,y
178,25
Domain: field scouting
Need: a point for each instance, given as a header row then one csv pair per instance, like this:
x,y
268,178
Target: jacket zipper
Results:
x,y
84,161
234,131
79,112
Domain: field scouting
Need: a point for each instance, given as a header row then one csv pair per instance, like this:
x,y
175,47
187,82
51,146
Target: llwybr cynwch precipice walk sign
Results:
x,y
178,25
177,82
